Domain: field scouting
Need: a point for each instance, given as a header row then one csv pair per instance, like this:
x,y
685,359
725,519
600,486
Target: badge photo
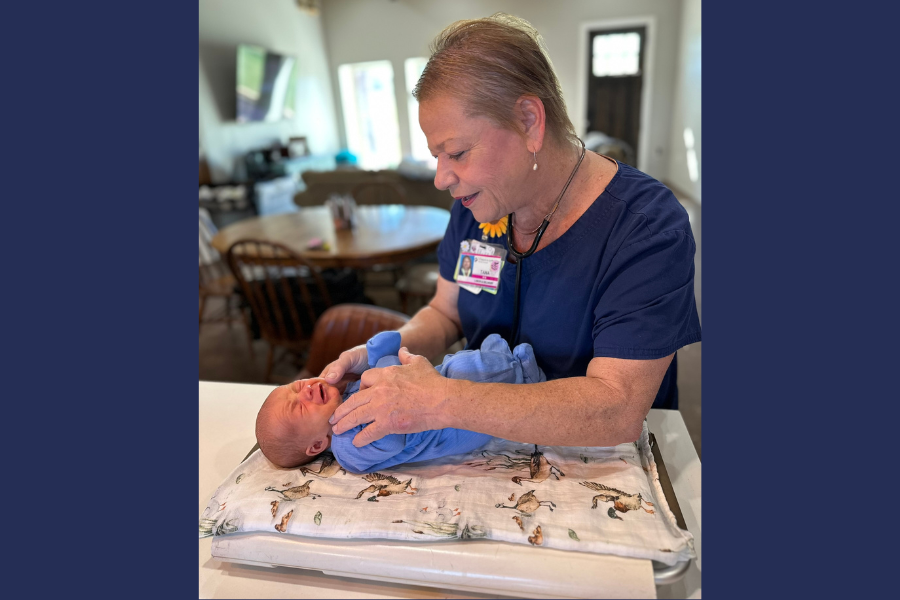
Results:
x,y
465,265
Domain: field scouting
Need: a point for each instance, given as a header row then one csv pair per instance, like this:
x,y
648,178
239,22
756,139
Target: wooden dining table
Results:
x,y
383,234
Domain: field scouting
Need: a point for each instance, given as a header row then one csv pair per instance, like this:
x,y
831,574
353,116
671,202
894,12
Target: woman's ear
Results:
x,y
531,115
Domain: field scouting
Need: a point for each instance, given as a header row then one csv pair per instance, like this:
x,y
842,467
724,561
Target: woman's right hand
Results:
x,y
355,361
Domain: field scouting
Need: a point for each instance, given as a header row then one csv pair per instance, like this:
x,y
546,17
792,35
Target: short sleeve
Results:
x,y
647,308
448,250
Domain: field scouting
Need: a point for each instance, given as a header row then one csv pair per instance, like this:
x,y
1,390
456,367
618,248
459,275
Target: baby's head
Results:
x,y
292,426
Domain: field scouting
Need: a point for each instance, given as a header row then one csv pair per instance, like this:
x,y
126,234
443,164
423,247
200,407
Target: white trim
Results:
x,y
649,22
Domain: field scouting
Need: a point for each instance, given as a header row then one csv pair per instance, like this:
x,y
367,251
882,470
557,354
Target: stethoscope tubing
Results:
x,y
537,240
520,256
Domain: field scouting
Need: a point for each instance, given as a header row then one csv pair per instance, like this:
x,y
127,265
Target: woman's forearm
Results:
x,y
607,407
429,332
436,327
577,411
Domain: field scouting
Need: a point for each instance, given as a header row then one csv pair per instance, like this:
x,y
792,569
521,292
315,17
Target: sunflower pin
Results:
x,y
495,229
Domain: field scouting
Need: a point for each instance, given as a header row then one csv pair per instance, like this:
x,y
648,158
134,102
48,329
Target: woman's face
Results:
x,y
483,165
467,263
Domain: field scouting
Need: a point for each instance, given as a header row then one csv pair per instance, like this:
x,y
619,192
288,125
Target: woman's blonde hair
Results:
x,y
489,64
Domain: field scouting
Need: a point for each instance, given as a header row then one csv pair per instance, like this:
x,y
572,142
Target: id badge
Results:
x,y
478,266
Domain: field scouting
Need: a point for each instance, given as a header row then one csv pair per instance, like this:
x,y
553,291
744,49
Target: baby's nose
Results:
x,y
313,392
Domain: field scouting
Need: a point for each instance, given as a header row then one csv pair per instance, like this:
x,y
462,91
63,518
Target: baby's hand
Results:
x,y
351,362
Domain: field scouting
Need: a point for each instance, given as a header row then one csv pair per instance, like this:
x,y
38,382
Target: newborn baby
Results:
x,y
292,426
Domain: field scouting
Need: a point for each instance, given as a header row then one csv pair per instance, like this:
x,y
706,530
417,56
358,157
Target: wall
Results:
x,y
361,30
686,105
277,25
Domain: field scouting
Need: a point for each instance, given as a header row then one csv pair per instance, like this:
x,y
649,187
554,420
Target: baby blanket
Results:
x,y
602,500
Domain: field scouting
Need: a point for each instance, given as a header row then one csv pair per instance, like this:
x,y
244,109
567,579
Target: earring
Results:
x,y
534,168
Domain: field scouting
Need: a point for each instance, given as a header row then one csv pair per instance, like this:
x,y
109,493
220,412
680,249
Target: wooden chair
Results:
x,y
378,191
216,281
419,281
344,326
286,294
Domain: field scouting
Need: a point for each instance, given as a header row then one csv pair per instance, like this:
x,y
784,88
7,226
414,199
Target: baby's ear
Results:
x,y
316,447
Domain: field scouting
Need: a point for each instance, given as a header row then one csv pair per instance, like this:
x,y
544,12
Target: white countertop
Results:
x,y
227,417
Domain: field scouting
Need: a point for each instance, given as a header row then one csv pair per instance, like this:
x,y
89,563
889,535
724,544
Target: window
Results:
x,y
616,54
370,113
417,142
692,163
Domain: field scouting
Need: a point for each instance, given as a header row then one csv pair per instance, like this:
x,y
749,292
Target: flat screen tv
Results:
x,y
266,85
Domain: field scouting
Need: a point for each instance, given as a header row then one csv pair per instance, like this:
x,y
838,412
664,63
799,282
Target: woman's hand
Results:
x,y
352,361
403,399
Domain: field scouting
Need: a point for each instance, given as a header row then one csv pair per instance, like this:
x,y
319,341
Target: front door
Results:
x,y
615,83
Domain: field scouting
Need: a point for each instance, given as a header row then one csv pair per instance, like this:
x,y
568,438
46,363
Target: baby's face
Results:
x,y
305,407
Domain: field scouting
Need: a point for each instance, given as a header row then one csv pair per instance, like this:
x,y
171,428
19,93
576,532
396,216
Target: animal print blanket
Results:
x,y
603,500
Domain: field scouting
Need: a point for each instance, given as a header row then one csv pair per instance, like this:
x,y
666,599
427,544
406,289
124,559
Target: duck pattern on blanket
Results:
x,y
603,500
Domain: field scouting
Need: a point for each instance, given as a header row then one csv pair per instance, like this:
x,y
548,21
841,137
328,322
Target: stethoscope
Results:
x,y
519,264
537,240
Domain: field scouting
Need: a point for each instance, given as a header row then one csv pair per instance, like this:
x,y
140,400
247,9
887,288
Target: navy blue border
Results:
x,y
99,119
799,272
797,225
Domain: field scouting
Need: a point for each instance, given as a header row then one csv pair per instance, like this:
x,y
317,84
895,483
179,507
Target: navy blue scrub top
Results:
x,y
618,283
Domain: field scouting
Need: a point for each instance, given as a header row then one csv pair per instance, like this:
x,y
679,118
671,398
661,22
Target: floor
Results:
x,y
225,356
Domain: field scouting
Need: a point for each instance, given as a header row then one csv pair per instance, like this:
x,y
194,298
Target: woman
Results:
x,y
605,299
465,269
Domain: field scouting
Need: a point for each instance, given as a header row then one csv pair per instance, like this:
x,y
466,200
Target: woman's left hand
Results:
x,y
402,399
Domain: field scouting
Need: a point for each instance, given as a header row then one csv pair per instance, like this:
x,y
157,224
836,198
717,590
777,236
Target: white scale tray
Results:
x,y
481,566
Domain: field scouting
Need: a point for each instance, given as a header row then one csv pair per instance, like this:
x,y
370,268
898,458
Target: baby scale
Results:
x,y
480,566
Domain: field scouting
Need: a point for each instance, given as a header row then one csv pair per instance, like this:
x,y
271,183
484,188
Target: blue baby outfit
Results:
x,y
493,363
